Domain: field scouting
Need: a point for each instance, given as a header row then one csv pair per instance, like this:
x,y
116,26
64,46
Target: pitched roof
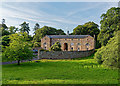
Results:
x,y
67,36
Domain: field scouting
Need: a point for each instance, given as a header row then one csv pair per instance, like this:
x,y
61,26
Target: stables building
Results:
x,y
69,42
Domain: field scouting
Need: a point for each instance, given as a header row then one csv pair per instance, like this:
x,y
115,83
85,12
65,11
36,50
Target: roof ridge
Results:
x,y
67,36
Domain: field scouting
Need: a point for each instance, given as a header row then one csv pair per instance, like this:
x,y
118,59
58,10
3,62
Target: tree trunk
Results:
x,y
18,62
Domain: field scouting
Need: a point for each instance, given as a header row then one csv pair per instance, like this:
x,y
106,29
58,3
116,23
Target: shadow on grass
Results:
x,y
49,63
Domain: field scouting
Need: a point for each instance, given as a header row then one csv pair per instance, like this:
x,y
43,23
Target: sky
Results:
x,y
60,15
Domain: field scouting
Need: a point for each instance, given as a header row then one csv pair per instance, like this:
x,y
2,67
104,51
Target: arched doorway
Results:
x,y
65,46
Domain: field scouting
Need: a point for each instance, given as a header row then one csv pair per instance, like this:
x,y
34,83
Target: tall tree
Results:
x,y
3,21
4,29
110,23
46,31
19,48
37,26
25,27
109,55
12,29
60,32
89,28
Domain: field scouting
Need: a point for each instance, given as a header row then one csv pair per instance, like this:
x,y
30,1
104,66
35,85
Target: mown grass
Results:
x,y
84,71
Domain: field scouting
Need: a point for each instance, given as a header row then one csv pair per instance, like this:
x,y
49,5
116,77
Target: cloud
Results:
x,y
48,14
28,14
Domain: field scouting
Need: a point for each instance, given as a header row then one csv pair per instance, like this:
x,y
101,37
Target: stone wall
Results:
x,y
63,54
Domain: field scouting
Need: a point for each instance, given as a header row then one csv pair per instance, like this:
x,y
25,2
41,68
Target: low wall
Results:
x,y
63,54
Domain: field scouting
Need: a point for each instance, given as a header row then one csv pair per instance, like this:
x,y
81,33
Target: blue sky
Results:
x,y
60,15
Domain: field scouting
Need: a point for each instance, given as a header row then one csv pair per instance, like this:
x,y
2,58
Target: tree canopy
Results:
x,y
19,48
46,31
24,27
37,26
5,40
12,29
109,55
89,28
110,23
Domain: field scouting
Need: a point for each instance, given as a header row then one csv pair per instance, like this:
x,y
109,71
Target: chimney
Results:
x,y
67,32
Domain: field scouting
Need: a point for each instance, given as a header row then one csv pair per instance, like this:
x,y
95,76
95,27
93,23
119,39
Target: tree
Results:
x,y
110,23
4,25
60,32
37,26
19,48
109,55
3,21
24,27
46,31
89,28
3,31
36,44
56,47
4,28
12,29
5,40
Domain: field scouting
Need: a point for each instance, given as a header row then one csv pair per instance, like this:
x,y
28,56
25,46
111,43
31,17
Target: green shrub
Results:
x,y
56,47
43,50
108,55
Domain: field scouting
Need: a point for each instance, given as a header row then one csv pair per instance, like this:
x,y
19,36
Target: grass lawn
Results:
x,y
84,71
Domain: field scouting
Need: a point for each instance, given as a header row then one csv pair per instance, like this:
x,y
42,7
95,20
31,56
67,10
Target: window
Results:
x,y
45,48
78,49
72,44
45,43
87,44
87,48
79,44
72,48
71,39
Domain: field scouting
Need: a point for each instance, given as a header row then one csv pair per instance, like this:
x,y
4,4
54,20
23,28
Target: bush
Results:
x,y
108,55
56,47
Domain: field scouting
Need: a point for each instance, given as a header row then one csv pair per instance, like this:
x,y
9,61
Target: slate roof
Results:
x,y
67,36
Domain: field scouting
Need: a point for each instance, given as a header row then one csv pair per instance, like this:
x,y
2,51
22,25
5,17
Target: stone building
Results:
x,y
69,42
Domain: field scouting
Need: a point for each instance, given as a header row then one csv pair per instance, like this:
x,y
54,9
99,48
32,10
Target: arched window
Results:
x,y
87,44
78,49
71,48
